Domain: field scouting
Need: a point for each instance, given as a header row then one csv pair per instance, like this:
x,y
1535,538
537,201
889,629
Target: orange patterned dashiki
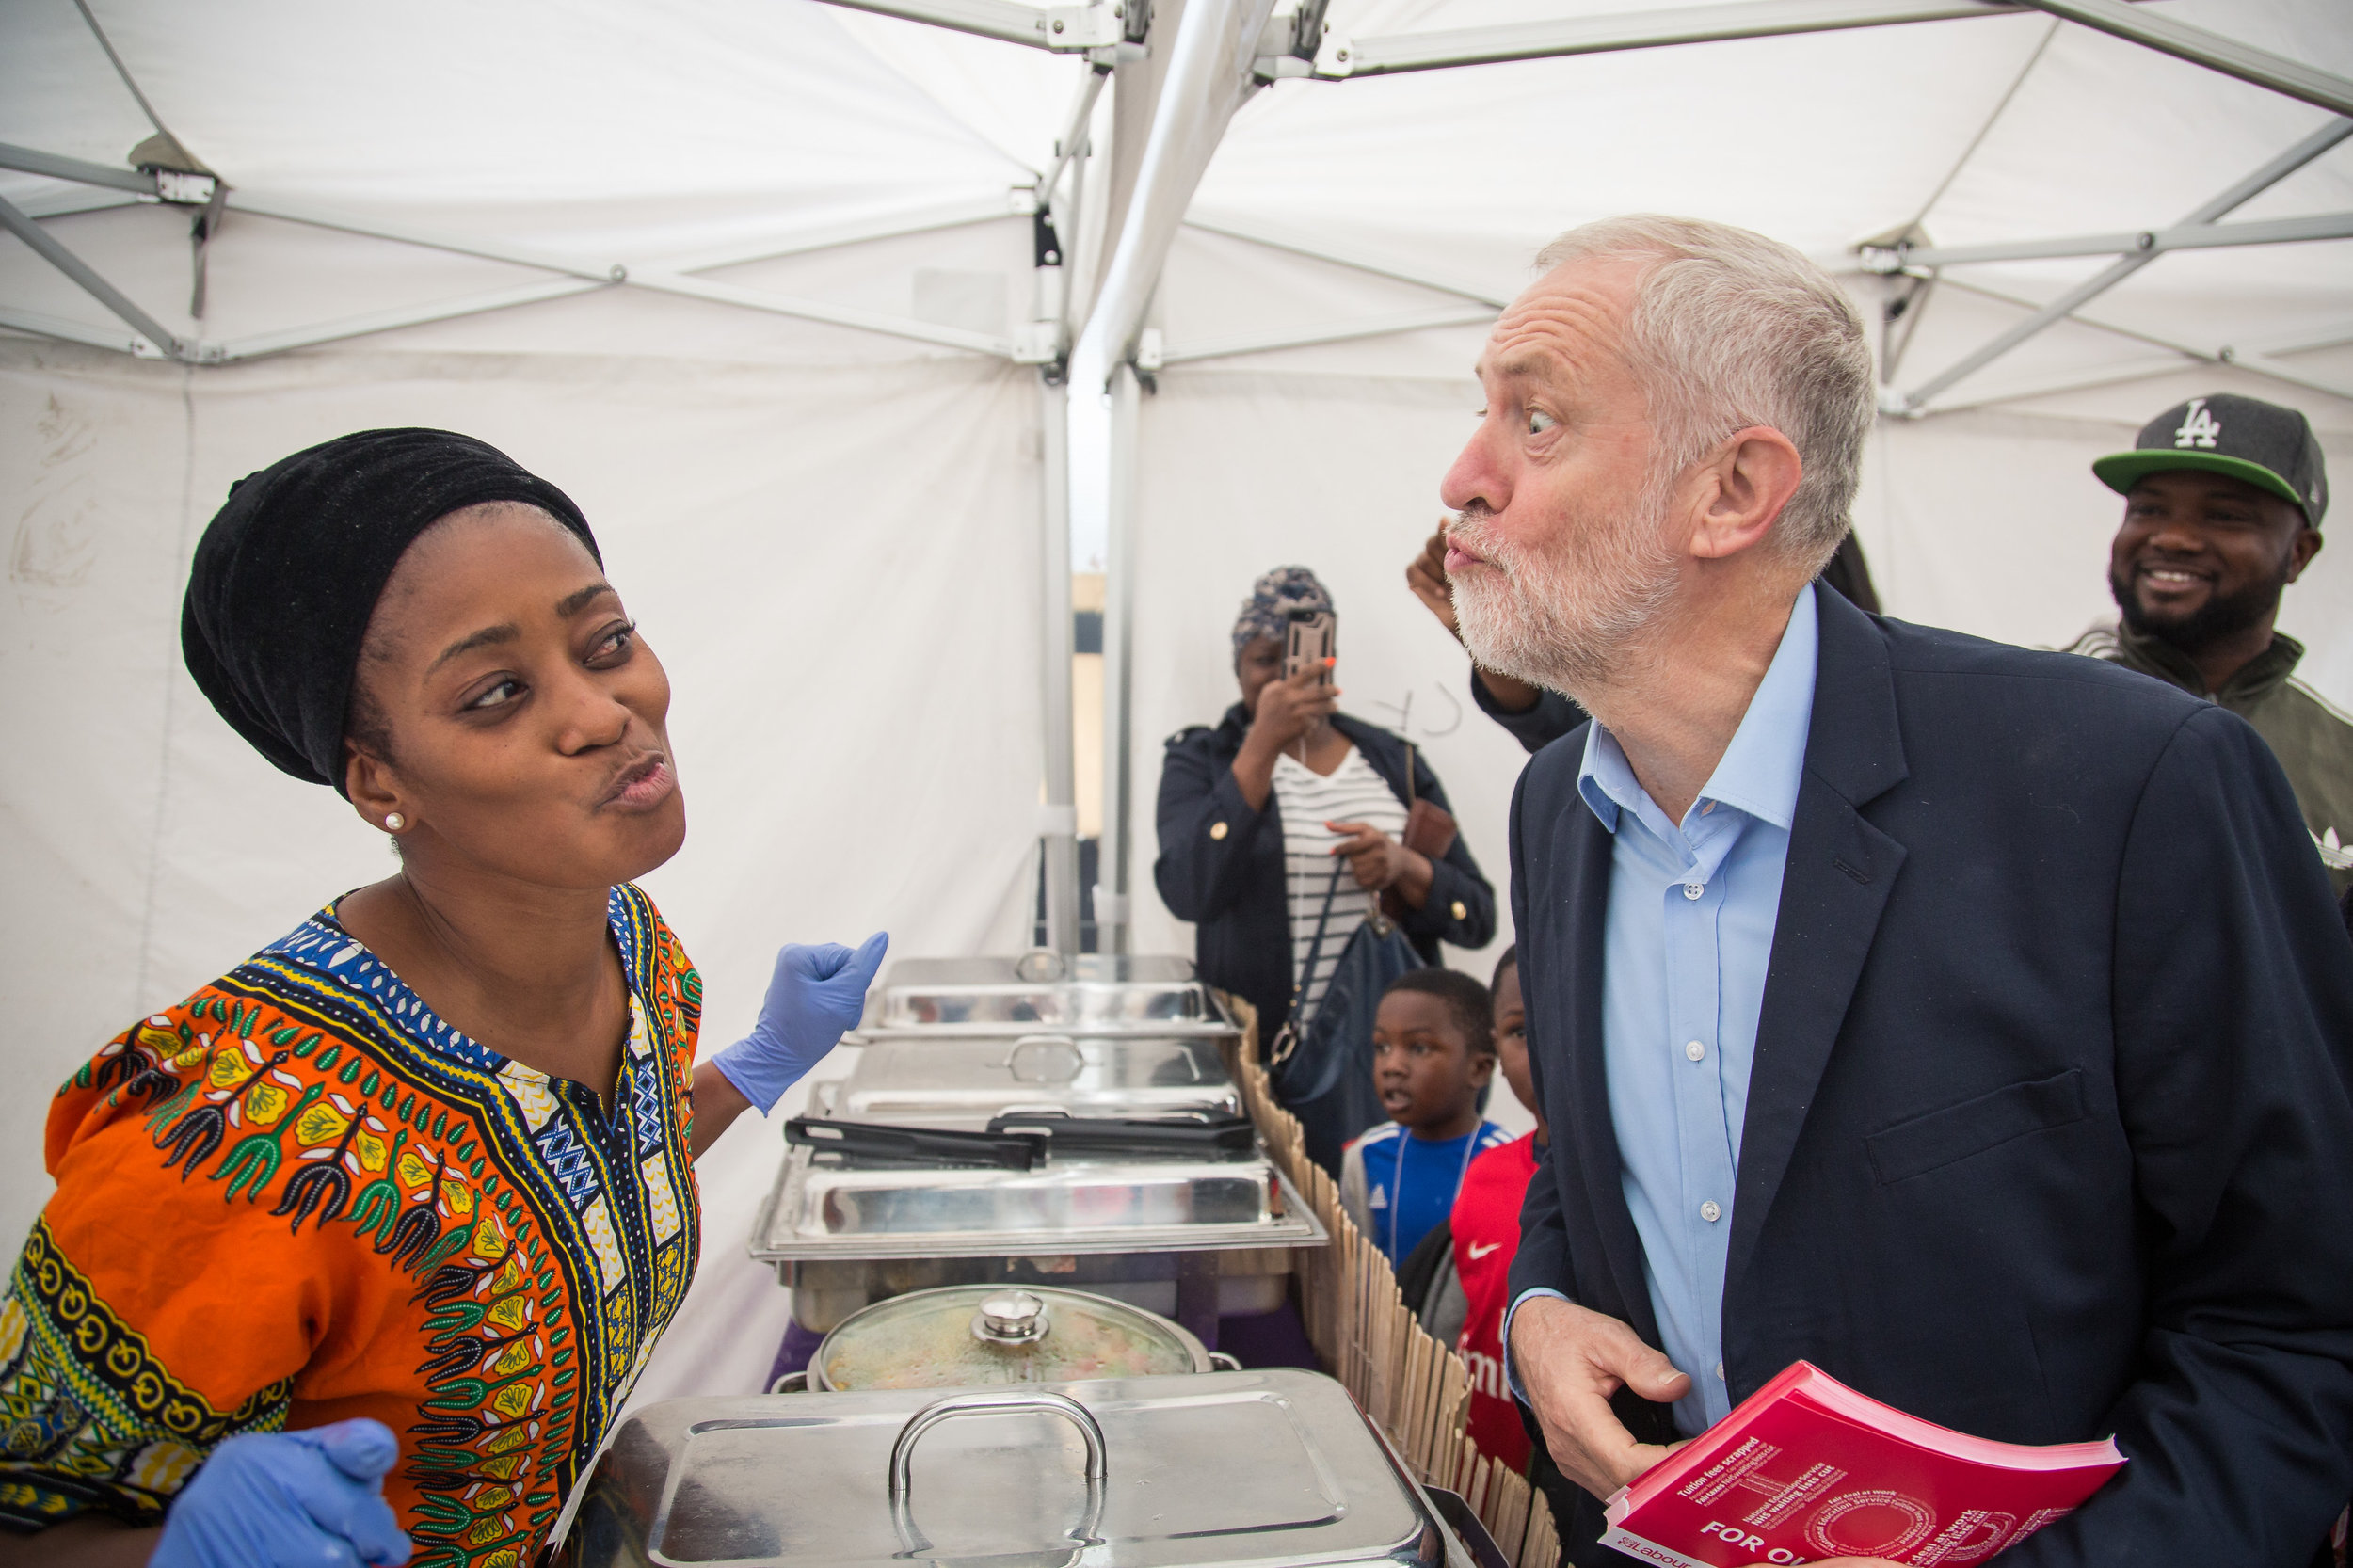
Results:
x,y
299,1196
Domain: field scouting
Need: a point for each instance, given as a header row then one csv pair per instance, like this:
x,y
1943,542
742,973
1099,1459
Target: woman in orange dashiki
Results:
x,y
404,1199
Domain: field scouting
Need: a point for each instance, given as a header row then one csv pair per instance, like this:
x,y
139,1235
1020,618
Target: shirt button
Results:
x,y
1712,1211
1696,1052
1217,830
1720,1371
1460,912
1692,889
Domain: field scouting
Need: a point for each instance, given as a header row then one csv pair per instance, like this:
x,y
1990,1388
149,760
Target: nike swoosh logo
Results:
x,y
1479,1251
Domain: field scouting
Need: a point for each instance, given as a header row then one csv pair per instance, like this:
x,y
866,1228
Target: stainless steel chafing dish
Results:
x,y
1193,1471
1085,993
1117,1164
962,1081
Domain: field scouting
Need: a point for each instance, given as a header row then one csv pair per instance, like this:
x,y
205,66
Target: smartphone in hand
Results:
x,y
1308,644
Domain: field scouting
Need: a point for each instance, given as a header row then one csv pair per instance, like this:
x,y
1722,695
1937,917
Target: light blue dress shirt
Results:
x,y
1689,938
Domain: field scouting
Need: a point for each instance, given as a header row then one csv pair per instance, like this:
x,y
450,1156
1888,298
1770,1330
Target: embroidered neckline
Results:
x,y
323,945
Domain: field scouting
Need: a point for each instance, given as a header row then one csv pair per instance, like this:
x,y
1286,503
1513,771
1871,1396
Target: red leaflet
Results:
x,y
1808,1468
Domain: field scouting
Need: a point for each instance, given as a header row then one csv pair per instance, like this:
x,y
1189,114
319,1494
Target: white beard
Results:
x,y
1568,618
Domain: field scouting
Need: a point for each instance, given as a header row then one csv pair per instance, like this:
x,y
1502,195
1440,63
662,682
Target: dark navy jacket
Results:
x,y
2049,1134
1536,728
1221,864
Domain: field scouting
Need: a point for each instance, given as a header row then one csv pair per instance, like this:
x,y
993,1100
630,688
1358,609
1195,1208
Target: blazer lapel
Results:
x,y
1585,864
1833,888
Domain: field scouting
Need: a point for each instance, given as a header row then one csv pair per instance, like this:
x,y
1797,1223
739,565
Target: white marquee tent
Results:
x,y
758,282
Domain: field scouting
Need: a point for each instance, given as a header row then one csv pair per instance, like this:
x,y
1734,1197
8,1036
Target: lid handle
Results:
x,y
1037,1401
1040,964
1011,1318
1046,1059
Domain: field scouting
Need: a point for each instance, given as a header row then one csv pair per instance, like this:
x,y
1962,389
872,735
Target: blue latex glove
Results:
x,y
289,1499
815,994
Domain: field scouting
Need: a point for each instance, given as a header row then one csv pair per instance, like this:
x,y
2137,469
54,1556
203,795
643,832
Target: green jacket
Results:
x,y
2312,741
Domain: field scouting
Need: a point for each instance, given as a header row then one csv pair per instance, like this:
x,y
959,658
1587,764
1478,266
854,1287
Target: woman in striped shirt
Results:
x,y
1288,804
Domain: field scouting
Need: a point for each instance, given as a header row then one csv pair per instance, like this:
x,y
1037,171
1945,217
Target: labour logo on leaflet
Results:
x,y
2199,425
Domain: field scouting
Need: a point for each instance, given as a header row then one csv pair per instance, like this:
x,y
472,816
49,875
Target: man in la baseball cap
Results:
x,y
2223,499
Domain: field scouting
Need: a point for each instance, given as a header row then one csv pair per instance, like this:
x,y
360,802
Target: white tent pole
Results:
x,y
2125,266
1209,78
1114,891
47,247
1059,829
1346,58
1065,29
2228,56
1060,836
951,215
1260,343
578,277
1359,261
2188,236
55,166
2138,370
2255,358
44,326
67,203
260,345
1066,150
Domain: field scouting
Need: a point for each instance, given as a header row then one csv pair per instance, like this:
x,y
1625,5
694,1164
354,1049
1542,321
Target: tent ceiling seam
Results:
x,y
122,71
1985,130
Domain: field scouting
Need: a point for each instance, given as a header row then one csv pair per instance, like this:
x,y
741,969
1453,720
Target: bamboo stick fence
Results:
x,y
1414,1389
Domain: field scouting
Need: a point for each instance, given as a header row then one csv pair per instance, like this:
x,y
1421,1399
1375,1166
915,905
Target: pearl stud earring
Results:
x,y
394,821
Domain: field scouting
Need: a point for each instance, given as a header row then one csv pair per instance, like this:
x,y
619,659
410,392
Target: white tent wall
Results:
x,y
838,567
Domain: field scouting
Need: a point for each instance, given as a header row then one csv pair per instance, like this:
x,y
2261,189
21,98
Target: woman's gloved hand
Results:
x,y
289,1499
815,994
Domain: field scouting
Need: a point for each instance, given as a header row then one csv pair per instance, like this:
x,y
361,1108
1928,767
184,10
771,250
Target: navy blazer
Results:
x,y
1221,864
2049,1133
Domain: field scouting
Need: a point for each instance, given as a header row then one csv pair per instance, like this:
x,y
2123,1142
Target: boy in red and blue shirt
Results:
x,y
1486,1226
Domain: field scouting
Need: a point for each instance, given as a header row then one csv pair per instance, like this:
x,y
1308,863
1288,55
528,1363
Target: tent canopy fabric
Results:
x,y
753,282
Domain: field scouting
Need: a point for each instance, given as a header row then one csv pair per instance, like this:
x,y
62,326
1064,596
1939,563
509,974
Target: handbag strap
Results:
x,y
1315,947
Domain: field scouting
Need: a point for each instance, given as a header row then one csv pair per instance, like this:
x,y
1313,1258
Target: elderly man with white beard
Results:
x,y
1974,1023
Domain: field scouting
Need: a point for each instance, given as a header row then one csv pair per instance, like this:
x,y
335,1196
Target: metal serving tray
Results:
x,y
1208,1470
822,1209
1090,993
960,1082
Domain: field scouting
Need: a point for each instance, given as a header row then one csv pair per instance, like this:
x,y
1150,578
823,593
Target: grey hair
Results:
x,y
1732,329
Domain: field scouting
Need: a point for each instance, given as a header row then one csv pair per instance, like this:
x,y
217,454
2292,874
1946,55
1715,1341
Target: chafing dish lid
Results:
x,y
1044,990
963,1081
973,1335
1200,1470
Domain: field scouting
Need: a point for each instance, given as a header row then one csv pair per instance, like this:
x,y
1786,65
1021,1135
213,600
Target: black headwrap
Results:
x,y
289,571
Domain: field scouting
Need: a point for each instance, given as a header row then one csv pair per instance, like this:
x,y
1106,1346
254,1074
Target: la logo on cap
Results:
x,y
2199,425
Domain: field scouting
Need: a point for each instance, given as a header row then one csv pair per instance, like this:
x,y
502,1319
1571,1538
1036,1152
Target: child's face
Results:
x,y
1512,1041
1423,1066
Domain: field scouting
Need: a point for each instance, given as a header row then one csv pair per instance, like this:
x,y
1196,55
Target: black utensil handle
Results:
x,y
920,1146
